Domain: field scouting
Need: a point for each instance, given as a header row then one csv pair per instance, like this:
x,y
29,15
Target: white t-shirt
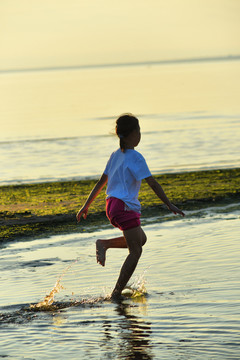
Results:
x,y
125,171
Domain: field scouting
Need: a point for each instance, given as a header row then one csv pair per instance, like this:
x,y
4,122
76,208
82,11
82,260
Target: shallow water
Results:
x,y
191,311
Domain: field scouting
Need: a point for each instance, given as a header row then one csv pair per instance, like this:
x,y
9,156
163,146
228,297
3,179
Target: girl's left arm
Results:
x,y
94,193
156,187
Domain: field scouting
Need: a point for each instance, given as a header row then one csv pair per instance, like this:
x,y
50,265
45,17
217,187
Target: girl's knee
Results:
x,y
135,239
144,239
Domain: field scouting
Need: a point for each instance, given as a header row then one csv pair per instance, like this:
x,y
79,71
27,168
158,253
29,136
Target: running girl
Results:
x,y
123,174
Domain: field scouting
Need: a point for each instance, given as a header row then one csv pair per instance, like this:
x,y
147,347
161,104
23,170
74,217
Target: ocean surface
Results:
x,y
58,124
190,271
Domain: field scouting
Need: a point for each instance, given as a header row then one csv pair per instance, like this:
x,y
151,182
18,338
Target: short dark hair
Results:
x,y
125,124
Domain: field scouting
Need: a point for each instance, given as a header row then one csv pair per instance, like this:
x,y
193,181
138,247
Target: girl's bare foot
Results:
x,y
100,252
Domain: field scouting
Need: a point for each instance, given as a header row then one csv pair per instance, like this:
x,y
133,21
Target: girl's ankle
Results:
x,y
116,296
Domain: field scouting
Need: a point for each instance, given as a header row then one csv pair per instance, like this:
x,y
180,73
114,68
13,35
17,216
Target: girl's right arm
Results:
x,y
94,193
156,187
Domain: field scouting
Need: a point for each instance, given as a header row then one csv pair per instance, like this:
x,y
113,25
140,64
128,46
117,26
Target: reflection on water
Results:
x,y
191,268
131,338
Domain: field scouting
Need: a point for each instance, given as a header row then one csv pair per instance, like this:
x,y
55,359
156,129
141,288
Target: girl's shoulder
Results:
x,y
129,154
115,153
135,155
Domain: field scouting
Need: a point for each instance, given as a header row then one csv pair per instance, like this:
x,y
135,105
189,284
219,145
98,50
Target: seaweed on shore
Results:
x,y
49,208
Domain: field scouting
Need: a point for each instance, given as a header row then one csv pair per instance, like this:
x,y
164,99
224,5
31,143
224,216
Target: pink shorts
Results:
x,y
120,216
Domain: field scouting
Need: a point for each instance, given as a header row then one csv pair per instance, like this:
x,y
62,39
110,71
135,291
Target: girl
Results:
x,y
123,174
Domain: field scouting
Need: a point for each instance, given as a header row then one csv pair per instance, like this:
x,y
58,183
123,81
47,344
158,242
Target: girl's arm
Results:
x,y
94,193
156,187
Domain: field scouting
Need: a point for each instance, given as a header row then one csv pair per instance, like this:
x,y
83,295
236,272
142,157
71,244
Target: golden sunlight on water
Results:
x,y
55,104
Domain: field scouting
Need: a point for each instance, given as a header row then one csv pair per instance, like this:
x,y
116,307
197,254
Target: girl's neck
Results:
x,y
129,148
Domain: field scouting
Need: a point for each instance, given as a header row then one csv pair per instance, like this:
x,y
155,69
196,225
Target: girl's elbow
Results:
x,y
151,181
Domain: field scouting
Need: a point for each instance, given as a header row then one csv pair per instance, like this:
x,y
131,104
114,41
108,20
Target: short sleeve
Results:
x,y
107,166
140,169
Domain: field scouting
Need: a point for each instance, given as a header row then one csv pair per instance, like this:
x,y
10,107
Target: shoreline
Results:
x,y
44,209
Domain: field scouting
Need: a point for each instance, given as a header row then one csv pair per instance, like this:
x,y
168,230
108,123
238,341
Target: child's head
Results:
x,y
125,125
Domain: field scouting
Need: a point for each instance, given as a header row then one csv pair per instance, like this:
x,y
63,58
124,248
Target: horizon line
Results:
x,y
127,64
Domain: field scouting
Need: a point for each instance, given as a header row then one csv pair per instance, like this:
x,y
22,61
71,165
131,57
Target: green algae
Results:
x,y
50,208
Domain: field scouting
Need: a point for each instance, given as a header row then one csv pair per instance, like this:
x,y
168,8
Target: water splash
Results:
x,y
49,299
137,288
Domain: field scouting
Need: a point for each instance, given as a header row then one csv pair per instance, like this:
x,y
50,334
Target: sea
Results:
x,y
58,124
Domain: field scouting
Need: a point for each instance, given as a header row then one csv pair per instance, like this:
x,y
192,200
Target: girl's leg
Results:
x,y
135,238
103,245
119,242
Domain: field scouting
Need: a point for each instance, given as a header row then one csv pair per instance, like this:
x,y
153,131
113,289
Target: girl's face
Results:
x,y
136,137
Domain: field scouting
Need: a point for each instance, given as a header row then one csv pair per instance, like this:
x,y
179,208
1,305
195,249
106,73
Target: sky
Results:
x,y
55,33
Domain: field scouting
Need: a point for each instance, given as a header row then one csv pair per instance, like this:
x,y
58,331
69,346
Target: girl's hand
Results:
x,y
175,210
83,211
